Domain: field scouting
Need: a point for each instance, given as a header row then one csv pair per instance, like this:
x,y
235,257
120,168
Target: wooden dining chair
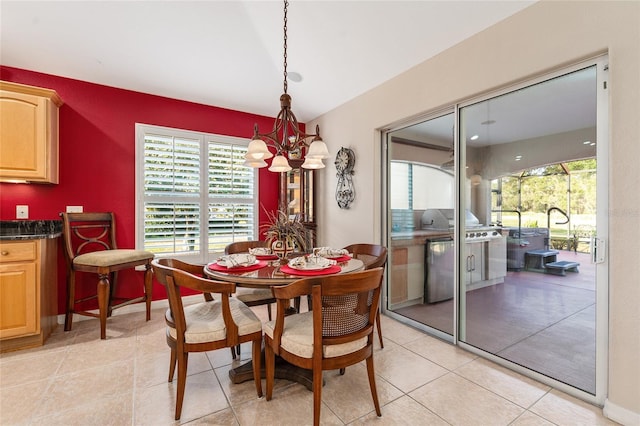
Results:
x,y
252,296
221,323
89,241
198,271
336,333
373,256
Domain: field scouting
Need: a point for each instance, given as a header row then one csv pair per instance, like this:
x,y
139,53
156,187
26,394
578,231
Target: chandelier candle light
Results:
x,y
286,137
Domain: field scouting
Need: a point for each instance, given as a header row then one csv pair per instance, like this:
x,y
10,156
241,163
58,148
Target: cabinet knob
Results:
x,y
5,253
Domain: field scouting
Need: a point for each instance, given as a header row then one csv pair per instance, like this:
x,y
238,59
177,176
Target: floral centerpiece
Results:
x,y
284,234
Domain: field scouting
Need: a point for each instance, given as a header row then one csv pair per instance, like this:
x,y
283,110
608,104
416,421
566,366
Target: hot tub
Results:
x,y
523,240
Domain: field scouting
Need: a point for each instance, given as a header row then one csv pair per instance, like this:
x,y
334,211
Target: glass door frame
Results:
x,y
602,220
386,158
602,285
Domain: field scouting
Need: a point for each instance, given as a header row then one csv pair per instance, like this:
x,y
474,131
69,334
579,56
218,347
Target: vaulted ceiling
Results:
x,y
230,53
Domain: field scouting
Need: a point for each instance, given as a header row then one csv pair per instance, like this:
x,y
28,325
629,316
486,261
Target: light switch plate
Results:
x,y
22,212
74,209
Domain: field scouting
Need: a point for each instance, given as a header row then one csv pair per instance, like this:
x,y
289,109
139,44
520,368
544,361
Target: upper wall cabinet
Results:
x,y
28,133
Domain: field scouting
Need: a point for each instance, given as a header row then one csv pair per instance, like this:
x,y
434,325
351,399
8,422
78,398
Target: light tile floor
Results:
x,y
78,379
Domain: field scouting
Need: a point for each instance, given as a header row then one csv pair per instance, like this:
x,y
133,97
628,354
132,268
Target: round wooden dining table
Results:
x,y
267,276
271,274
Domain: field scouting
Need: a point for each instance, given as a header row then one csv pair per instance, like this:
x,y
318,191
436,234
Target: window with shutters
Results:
x,y
410,181
193,194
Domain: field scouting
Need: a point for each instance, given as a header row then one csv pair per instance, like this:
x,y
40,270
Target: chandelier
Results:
x,y
286,137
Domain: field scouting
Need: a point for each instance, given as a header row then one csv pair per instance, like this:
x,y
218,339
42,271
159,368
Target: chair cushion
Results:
x,y
205,322
112,257
297,338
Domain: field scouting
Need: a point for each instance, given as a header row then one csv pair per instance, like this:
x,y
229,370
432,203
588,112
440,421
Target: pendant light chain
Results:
x,y
286,4
286,137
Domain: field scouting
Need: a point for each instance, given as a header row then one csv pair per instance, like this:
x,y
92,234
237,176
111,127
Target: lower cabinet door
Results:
x,y
399,275
18,300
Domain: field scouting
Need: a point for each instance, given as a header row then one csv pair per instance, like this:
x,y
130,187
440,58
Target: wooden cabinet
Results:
x,y
19,301
297,197
28,292
399,275
28,133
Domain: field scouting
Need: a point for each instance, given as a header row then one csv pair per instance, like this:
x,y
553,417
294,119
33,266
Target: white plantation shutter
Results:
x,y
194,195
227,176
400,183
232,216
432,177
171,166
172,228
410,182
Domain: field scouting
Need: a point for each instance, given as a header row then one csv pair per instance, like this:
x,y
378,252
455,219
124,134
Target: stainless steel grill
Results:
x,y
444,220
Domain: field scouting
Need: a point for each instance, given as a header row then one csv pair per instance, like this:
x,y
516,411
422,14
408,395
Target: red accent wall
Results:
x,y
97,156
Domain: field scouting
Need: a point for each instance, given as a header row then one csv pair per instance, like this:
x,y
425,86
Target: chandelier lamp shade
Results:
x,y
286,137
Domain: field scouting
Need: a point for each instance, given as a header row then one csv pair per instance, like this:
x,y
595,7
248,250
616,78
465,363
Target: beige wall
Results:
x,y
541,38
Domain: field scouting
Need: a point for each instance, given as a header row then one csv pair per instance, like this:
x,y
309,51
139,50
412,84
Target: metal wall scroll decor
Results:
x,y
345,192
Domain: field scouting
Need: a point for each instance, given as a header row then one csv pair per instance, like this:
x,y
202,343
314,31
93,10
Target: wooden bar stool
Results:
x,y
90,246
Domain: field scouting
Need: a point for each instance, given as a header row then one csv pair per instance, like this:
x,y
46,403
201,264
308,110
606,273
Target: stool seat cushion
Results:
x,y
297,338
112,257
206,324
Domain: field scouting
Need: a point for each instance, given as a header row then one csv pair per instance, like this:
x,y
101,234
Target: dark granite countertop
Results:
x,y
29,229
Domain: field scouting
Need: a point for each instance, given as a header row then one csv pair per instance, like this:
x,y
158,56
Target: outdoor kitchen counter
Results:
x,y
415,238
407,265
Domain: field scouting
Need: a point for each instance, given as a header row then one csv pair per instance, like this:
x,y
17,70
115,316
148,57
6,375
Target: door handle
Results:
x,y
598,251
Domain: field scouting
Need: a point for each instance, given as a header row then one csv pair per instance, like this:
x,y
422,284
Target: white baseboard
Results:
x,y
620,414
406,303
136,307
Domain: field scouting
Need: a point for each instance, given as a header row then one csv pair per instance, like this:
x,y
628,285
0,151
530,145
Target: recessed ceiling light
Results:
x,y
474,137
592,144
587,142
518,157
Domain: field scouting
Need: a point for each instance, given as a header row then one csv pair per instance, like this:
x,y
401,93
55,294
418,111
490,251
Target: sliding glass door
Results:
x,y
422,178
422,252
509,261
529,294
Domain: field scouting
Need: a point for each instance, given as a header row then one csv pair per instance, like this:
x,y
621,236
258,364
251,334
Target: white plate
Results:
x,y
314,265
310,267
224,264
329,253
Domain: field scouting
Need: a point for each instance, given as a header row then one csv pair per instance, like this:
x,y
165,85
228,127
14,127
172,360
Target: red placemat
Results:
x,y
266,257
327,271
343,258
220,268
